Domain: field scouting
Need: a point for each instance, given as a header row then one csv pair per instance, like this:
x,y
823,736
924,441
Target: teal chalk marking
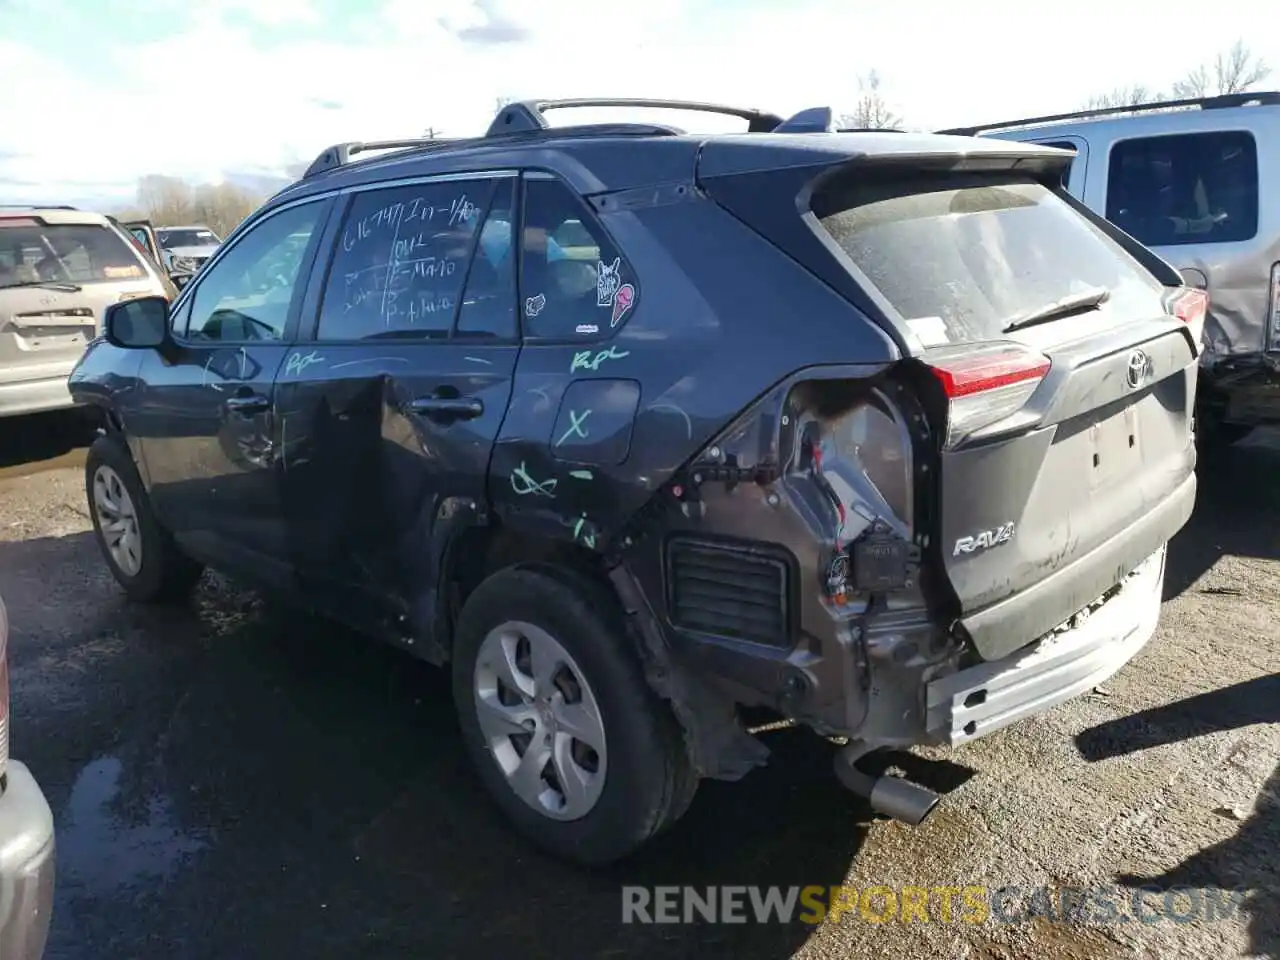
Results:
x,y
588,539
581,474
585,360
527,485
575,427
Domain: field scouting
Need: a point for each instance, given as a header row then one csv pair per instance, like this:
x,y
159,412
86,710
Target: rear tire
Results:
x,y
538,654
139,552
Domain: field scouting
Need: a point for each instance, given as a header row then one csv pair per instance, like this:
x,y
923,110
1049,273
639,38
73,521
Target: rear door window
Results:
x,y
401,261
958,256
31,252
1186,188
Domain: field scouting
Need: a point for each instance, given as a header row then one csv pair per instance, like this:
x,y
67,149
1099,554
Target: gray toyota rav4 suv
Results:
x,y
633,428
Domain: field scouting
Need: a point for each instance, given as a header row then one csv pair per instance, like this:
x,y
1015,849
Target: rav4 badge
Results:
x,y
984,539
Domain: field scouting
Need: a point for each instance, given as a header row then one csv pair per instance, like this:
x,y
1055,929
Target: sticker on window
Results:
x,y
122,273
608,280
931,331
622,302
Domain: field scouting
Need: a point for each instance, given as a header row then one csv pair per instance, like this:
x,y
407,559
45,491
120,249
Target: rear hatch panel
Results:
x,y
1083,465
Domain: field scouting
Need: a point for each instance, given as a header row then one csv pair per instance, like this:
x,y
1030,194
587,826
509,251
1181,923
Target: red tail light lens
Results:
x,y
987,385
1191,306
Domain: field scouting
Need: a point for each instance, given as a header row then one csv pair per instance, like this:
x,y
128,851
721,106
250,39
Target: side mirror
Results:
x,y
138,324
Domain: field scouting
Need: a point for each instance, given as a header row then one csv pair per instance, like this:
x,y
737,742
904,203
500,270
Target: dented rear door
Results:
x,y
388,409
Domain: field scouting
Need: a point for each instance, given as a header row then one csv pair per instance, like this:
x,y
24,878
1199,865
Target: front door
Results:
x,y
388,414
203,414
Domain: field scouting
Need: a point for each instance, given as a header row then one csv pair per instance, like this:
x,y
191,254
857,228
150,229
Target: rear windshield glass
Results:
x,y
959,256
70,253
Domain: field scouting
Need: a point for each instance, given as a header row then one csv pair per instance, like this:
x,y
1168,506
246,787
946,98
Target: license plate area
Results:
x,y
1115,448
53,333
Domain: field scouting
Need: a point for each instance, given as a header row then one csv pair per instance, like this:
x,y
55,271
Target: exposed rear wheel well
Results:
x,y
481,552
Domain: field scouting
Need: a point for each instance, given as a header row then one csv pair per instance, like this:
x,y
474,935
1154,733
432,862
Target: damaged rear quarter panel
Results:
x,y
721,317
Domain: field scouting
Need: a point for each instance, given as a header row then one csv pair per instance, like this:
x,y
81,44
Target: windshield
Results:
x,y
960,256
65,253
194,237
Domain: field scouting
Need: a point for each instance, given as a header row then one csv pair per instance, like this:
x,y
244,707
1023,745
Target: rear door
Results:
x,y
1065,453
202,415
387,414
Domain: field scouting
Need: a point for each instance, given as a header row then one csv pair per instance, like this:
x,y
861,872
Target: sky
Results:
x,y
98,93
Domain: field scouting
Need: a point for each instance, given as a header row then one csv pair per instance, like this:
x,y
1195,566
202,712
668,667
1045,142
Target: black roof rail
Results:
x,y
530,115
340,153
1263,98
37,206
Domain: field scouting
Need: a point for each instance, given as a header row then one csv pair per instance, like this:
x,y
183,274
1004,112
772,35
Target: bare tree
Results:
x,y
164,200
872,111
1123,97
1234,71
169,201
222,206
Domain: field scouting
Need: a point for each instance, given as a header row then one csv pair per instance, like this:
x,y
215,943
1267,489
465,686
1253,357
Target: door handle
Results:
x,y
447,408
247,403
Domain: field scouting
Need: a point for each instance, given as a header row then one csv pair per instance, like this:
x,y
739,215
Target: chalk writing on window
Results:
x,y
401,261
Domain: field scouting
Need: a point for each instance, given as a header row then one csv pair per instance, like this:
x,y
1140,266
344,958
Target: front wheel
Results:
x,y
576,749
139,552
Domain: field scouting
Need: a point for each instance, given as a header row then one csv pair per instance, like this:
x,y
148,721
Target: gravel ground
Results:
x,y
234,780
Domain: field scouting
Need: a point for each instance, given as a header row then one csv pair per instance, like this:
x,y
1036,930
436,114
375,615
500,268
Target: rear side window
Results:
x,y
1188,188
958,256
71,253
573,280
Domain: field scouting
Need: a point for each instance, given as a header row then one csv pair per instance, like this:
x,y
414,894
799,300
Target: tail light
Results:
x,y
1273,310
1191,306
985,386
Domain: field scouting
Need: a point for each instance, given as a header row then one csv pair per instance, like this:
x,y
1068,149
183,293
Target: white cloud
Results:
x,y
216,99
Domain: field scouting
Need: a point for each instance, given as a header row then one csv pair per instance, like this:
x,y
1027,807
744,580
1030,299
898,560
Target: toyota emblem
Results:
x,y
1139,369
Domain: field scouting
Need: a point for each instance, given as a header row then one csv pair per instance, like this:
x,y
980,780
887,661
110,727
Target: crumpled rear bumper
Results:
x,y
26,866
983,698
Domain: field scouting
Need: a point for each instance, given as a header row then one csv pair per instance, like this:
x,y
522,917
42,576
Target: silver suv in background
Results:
x,y
60,269
1197,181
185,249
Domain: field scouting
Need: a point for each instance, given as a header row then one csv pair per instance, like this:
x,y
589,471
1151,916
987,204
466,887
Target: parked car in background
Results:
x,y
187,248
60,268
144,235
875,430
1198,181
26,841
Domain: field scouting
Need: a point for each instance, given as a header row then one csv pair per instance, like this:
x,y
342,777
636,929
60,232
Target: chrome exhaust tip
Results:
x,y
891,796
903,800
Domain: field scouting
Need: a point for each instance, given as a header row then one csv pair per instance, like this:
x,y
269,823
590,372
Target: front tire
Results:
x,y
139,552
579,753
